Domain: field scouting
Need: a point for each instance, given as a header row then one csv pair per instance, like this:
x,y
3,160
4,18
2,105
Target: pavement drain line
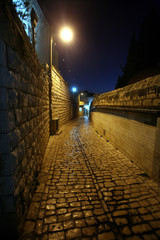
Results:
x,y
95,182
97,186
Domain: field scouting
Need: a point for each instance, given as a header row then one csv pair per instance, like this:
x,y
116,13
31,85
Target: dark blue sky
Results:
x,y
103,30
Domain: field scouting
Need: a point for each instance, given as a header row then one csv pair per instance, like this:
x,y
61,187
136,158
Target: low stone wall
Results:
x,y
129,117
143,95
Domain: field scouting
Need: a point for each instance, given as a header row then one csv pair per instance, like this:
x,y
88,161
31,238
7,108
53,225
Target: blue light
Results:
x,y
86,107
74,89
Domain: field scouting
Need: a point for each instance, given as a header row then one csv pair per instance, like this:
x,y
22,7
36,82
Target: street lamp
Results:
x,y
66,34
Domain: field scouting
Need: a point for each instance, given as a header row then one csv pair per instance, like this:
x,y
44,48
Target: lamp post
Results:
x,y
66,35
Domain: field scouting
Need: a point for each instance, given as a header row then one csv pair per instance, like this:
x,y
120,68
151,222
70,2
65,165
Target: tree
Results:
x,y
149,41
130,68
143,53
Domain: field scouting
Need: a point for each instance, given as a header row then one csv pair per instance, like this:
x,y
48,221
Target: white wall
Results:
x,y
138,141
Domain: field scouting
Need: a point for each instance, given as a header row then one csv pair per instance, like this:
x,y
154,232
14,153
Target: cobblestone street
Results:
x,y
89,190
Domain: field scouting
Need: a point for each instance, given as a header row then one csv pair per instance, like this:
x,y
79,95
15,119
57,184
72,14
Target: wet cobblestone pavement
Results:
x,y
89,190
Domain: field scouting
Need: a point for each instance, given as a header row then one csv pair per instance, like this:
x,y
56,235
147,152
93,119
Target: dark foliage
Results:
x,y
143,53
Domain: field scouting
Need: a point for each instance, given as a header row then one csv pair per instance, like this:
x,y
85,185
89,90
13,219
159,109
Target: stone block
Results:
x,y
11,120
19,117
129,103
4,128
33,211
148,102
24,85
8,204
138,103
13,159
16,137
12,98
6,185
74,233
7,121
141,228
8,78
3,98
156,102
0,208
22,130
2,53
107,235
5,140
9,225
27,127
152,92
13,60
30,100
29,227
4,165
21,99
21,151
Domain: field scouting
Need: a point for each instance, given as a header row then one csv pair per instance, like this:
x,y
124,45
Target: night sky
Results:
x,y
103,30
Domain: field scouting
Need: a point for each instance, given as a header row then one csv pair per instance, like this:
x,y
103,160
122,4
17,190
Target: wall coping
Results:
x,y
141,95
136,110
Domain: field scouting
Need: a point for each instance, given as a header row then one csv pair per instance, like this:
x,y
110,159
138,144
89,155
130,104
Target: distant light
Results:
x,y
86,107
74,89
66,34
81,93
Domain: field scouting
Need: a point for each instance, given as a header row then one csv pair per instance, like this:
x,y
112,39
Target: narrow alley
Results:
x,y
89,190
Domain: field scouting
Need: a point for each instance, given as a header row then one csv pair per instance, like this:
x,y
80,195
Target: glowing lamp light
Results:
x,y
74,89
86,107
66,34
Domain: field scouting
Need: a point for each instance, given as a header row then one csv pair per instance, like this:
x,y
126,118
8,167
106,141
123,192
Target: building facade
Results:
x,y
39,31
84,101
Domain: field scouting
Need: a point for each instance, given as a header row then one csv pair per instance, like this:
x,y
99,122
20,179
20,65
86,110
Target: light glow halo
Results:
x,y
66,34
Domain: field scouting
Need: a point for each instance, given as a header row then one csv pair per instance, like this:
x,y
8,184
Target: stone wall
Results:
x,y
62,106
24,120
129,118
42,35
25,101
143,95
